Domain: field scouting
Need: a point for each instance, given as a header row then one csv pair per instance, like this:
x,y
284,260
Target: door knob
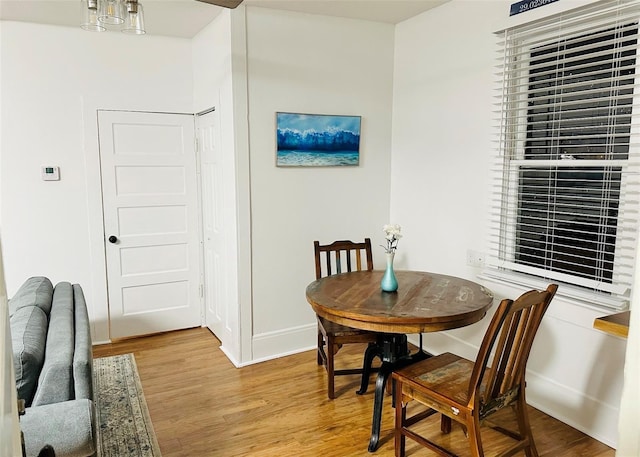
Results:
x,y
113,239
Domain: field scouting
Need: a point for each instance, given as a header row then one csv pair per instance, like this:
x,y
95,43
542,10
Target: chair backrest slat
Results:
x,y
513,327
501,377
328,256
342,253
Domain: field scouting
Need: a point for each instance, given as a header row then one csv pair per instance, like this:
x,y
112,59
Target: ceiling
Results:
x,y
185,18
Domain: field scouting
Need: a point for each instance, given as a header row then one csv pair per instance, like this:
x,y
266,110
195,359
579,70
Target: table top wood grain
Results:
x,y
424,302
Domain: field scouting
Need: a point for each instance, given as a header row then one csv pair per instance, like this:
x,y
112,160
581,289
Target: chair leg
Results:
x,y
401,416
475,441
330,368
520,407
445,424
320,348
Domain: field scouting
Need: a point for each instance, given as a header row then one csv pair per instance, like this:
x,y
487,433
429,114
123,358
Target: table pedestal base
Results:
x,y
393,351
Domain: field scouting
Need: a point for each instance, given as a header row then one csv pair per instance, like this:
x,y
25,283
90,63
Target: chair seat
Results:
x,y
338,330
447,374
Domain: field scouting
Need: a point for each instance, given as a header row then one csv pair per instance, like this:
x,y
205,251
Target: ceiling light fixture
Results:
x,y
98,14
134,19
89,19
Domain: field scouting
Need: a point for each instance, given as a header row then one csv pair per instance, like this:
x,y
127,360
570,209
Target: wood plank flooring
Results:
x,y
201,405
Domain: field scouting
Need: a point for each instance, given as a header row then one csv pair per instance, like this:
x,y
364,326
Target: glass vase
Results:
x,y
389,282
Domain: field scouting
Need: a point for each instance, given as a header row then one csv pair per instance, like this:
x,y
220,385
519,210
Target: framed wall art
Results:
x,y
317,140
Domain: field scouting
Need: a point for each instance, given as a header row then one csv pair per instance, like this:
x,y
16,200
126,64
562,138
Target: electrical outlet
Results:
x,y
475,258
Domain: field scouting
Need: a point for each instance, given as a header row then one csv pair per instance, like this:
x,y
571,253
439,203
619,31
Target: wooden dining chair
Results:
x,y
340,257
469,392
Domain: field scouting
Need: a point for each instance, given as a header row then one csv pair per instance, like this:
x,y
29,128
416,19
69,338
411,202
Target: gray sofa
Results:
x,y
52,357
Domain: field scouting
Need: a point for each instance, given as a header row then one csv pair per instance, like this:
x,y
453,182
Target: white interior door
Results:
x,y
218,264
150,200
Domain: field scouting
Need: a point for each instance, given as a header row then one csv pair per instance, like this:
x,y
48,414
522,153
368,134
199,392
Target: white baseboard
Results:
x,y
98,343
231,358
589,415
280,343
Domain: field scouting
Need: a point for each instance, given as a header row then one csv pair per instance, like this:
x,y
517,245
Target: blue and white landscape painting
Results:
x,y
317,140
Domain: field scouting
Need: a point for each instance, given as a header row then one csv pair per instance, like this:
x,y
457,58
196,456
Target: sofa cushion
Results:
x,y
28,339
37,291
83,354
56,378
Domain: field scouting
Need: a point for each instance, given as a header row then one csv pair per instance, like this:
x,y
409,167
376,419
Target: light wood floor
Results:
x,y
201,405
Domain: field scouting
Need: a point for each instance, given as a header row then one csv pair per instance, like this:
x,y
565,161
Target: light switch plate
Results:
x,y
475,258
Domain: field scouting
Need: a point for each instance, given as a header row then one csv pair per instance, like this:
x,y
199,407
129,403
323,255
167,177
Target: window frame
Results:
x,y
510,160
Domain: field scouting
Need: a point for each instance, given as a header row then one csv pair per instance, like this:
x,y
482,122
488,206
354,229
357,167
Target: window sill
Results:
x,y
580,297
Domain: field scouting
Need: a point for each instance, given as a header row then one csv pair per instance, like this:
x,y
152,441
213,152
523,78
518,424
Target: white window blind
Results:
x,y
567,172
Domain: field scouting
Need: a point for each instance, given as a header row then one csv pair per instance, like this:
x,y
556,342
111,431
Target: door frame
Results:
x,y
97,299
233,120
195,235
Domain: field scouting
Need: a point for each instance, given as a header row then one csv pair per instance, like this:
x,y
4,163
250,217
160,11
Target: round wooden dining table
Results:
x,y
424,302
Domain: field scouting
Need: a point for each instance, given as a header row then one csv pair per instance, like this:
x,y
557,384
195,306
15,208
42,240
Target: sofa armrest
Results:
x,y
67,426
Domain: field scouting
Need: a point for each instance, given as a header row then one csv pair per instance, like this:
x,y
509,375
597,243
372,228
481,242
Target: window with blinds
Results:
x,y
567,183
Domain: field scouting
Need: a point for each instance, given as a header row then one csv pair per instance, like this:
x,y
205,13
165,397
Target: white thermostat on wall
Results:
x,y
50,173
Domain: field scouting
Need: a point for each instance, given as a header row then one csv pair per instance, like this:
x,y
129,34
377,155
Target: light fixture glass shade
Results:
x,y
134,21
89,16
111,12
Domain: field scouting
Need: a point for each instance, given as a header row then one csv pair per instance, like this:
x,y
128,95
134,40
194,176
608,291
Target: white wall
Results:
x,y
629,419
214,49
53,80
442,125
211,50
9,425
319,65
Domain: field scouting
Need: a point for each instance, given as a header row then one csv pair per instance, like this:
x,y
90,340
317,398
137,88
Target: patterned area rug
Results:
x,y
124,425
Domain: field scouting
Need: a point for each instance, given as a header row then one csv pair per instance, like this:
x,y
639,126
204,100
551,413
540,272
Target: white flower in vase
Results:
x,y
392,232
